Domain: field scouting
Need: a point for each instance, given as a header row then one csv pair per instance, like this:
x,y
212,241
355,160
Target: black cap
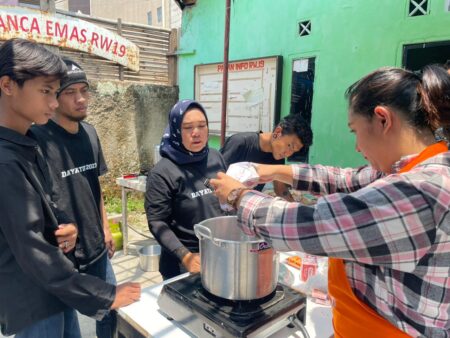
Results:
x,y
75,74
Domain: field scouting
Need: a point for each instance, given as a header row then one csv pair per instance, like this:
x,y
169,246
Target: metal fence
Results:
x,y
154,46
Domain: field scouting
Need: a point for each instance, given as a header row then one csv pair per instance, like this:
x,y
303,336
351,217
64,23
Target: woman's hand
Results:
x,y
223,185
66,236
191,261
270,172
266,172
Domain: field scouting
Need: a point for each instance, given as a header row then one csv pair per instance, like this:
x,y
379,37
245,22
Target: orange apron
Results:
x,y
351,317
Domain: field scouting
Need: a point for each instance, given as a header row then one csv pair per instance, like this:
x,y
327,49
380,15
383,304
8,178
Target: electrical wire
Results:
x,y
296,322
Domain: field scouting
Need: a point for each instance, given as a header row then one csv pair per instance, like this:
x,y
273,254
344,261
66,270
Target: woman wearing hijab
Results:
x,y
176,196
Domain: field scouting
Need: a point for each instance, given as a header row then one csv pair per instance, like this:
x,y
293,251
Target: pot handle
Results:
x,y
202,232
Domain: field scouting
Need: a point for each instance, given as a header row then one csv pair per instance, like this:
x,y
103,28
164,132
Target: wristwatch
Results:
x,y
234,195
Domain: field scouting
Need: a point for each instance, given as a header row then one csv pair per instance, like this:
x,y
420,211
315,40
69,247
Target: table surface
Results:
x,y
133,183
146,317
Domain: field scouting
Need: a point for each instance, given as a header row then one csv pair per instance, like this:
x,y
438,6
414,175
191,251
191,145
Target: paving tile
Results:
x,y
126,267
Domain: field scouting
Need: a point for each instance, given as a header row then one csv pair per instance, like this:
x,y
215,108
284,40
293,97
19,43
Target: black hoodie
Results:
x,y
36,278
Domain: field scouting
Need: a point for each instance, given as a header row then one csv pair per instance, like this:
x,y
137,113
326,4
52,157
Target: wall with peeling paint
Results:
x,y
130,120
349,39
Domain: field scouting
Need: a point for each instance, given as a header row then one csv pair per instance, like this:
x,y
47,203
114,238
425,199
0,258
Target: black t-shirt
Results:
x,y
177,198
242,147
76,161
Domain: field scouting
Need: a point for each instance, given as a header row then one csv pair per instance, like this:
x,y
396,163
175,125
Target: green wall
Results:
x,y
349,39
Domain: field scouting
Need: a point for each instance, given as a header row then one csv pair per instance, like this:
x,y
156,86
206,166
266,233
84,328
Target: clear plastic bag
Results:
x,y
315,275
244,172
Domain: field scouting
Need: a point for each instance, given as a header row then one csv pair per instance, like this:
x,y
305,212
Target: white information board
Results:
x,y
253,94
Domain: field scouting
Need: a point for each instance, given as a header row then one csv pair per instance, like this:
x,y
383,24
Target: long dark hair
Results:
x,y
23,60
423,99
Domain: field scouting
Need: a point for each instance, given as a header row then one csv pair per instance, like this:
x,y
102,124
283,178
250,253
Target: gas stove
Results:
x,y
205,315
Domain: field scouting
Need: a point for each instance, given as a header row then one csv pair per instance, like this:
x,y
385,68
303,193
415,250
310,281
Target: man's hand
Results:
x,y
66,236
274,172
282,190
126,294
191,261
109,242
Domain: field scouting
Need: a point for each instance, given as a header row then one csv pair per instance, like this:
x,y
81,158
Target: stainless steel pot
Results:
x,y
234,265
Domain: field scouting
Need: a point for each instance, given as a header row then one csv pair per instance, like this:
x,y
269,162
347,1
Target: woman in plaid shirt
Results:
x,y
386,227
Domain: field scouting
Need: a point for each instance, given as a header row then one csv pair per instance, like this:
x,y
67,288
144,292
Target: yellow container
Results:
x,y
118,240
116,231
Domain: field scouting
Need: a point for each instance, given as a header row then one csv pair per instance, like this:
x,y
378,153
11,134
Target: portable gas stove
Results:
x,y
203,314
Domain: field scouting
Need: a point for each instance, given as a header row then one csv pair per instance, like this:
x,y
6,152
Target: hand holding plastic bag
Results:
x,y
244,172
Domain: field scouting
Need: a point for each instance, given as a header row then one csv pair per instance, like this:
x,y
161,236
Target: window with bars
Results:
x,y
302,90
304,28
149,18
418,7
30,3
84,6
159,14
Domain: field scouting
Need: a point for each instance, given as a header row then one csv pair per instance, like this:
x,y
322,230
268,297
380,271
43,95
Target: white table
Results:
x,y
128,184
145,318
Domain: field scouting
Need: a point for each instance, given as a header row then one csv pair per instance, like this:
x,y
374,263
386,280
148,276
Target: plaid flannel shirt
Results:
x,y
392,231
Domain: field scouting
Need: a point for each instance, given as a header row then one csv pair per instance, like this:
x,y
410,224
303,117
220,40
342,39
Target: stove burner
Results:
x,y
186,301
239,310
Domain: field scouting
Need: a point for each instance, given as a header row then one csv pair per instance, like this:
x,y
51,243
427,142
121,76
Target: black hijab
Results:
x,y
172,143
